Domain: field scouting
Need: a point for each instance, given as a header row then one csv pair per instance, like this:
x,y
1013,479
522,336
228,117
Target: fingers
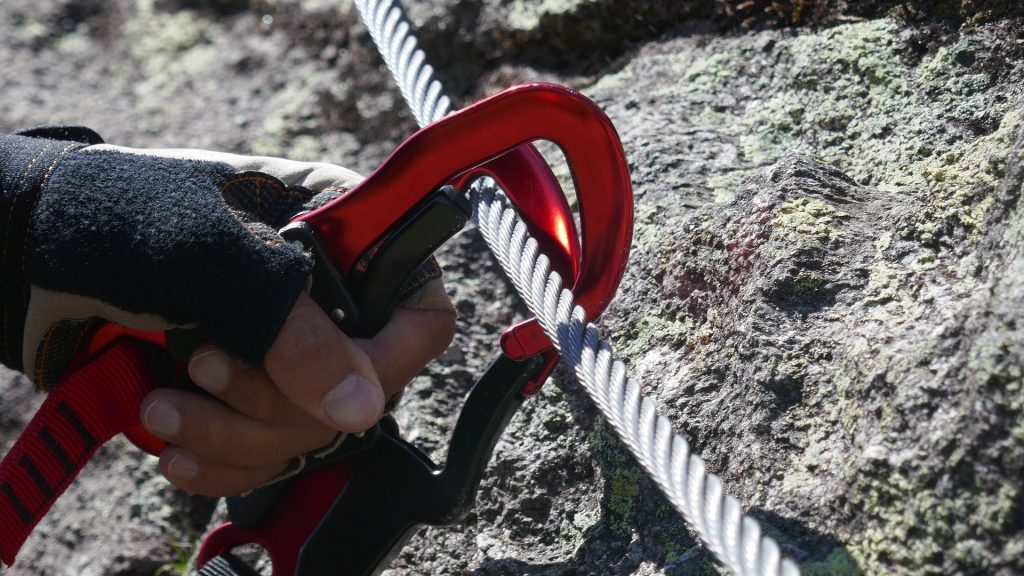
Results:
x,y
246,389
340,382
261,418
323,372
199,476
216,432
406,343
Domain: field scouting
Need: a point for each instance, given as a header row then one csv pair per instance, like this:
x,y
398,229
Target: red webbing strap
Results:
x,y
87,408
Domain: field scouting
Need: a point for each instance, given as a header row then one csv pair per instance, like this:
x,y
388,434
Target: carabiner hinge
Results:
x,y
328,288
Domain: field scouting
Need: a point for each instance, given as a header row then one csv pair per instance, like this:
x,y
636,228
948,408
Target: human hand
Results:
x,y
315,382
161,239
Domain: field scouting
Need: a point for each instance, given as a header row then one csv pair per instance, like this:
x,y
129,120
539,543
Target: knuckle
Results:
x,y
443,330
210,438
266,408
305,337
309,356
212,435
255,396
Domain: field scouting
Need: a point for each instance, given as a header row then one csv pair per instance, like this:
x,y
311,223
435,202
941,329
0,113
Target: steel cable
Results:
x,y
717,518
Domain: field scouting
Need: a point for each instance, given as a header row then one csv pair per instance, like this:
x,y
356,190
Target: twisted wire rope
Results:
x,y
717,518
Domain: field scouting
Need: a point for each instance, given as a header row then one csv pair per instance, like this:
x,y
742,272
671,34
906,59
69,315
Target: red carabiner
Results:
x,y
456,150
474,142
488,138
461,147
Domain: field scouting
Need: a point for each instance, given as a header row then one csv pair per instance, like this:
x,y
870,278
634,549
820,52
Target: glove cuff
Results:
x,y
27,161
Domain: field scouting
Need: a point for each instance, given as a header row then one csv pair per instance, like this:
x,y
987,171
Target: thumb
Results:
x,y
323,372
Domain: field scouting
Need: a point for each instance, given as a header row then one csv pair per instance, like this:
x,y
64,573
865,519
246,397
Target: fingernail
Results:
x,y
162,419
355,404
211,370
182,466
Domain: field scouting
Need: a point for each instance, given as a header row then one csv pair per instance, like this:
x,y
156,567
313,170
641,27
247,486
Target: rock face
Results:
x,y
825,291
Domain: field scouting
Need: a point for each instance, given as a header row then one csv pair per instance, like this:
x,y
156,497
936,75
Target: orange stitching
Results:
x,y
259,178
10,216
41,360
45,354
300,195
282,190
251,177
275,184
32,211
3,254
41,372
86,328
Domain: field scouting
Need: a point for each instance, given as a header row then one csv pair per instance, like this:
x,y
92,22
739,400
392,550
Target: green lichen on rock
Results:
x,y
848,96
928,525
838,563
916,520
931,139
961,181
825,287
809,216
169,45
845,86
527,14
625,489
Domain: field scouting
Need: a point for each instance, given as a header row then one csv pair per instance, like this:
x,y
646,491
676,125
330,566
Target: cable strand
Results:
x,y
736,540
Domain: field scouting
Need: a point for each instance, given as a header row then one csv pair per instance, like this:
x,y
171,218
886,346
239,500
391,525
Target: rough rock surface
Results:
x,y
825,292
